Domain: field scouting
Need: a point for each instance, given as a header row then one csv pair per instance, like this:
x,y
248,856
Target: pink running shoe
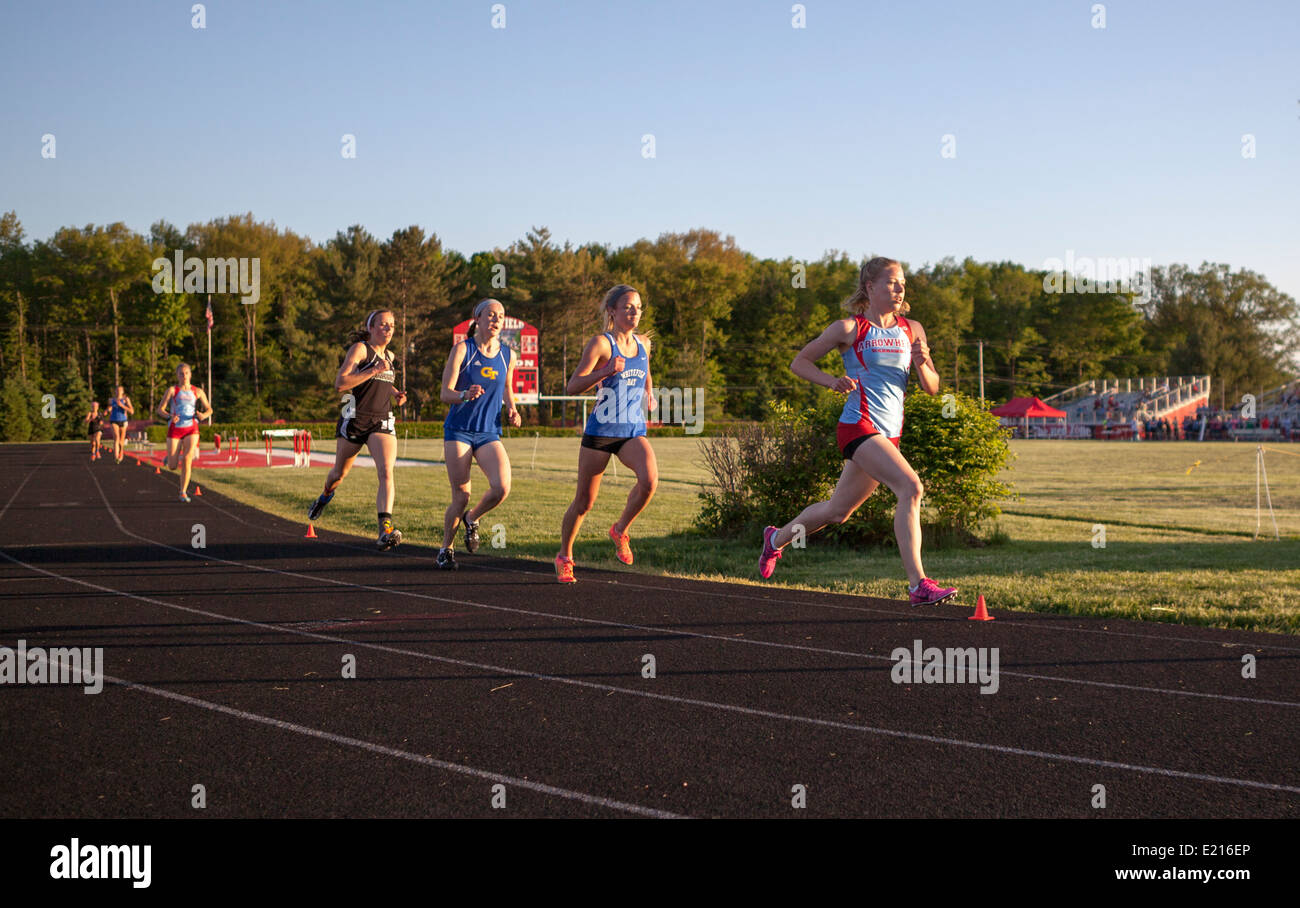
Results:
x,y
928,592
621,547
767,560
564,570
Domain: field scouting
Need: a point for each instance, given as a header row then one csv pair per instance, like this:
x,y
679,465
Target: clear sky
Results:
x,y
1120,141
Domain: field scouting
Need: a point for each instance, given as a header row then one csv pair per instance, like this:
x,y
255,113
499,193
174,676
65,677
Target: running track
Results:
x,y
225,670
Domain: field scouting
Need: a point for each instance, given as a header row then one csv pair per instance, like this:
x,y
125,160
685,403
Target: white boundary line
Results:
x,y
608,688
748,641
765,600
330,736
383,749
670,698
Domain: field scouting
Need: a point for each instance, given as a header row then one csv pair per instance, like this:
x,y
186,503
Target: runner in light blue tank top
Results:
x,y
618,411
478,378
617,363
120,409
879,347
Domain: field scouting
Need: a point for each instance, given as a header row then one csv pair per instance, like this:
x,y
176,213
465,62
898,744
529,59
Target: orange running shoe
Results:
x,y
564,569
621,547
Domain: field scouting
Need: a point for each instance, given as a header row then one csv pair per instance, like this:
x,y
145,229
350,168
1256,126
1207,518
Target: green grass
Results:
x,y
1178,547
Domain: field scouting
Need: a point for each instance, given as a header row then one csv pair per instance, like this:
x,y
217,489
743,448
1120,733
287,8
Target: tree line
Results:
x,y
81,311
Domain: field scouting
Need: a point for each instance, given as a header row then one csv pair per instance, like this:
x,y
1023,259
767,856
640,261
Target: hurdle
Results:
x,y
301,439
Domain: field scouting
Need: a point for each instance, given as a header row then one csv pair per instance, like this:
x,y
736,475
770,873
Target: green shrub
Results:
x,y
769,473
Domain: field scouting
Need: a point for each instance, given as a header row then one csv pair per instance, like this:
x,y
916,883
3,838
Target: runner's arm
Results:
x,y
350,375
837,334
586,376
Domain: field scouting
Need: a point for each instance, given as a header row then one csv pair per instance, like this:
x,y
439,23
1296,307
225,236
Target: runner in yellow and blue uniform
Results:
x,y
477,380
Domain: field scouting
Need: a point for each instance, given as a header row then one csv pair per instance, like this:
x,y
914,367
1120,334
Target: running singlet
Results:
x,y
372,400
116,413
879,360
619,410
184,405
483,413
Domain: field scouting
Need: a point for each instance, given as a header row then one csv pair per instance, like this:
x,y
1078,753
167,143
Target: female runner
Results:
x,y
181,406
877,345
619,362
94,429
479,375
119,408
366,380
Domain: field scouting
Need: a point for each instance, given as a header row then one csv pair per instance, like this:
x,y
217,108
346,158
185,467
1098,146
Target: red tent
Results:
x,y
1031,407
1027,408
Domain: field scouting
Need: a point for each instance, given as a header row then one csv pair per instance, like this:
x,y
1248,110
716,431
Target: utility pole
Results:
x,y
981,373
208,315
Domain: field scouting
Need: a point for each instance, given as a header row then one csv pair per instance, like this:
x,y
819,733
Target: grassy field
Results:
x,y
1177,547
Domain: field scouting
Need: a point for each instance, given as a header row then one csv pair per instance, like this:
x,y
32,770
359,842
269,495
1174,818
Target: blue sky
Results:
x,y
1121,141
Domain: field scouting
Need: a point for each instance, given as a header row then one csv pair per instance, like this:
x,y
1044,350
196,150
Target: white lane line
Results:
x,y
566,793
772,600
30,474
683,701
748,641
387,751
330,736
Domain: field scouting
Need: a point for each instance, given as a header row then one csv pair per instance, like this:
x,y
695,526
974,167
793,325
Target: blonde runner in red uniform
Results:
x,y
185,406
877,346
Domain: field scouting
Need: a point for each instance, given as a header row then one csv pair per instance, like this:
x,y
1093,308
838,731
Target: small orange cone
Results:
x,y
981,611
311,532
198,491
157,469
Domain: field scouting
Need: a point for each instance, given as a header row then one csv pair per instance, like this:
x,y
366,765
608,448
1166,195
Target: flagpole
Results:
x,y
208,319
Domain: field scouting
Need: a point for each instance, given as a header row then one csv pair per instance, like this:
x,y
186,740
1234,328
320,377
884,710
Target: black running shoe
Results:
x,y
389,536
318,506
447,560
471,533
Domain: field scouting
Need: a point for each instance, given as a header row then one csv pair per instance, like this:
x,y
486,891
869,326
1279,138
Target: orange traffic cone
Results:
x,y
981,611
157,469
311,532
198,491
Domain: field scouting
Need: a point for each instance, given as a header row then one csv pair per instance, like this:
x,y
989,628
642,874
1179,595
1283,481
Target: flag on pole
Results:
x,y
209,313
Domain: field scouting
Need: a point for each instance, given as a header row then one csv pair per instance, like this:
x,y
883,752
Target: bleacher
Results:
x,y
1116,401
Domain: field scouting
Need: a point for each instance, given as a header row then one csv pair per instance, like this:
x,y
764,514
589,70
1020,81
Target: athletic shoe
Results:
x,y
564,569
389,536
185,498
928,592
318,506
621,547
767,560
447,560
471,532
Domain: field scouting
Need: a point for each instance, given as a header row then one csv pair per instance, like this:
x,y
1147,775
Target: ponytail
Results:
x,y
362,335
